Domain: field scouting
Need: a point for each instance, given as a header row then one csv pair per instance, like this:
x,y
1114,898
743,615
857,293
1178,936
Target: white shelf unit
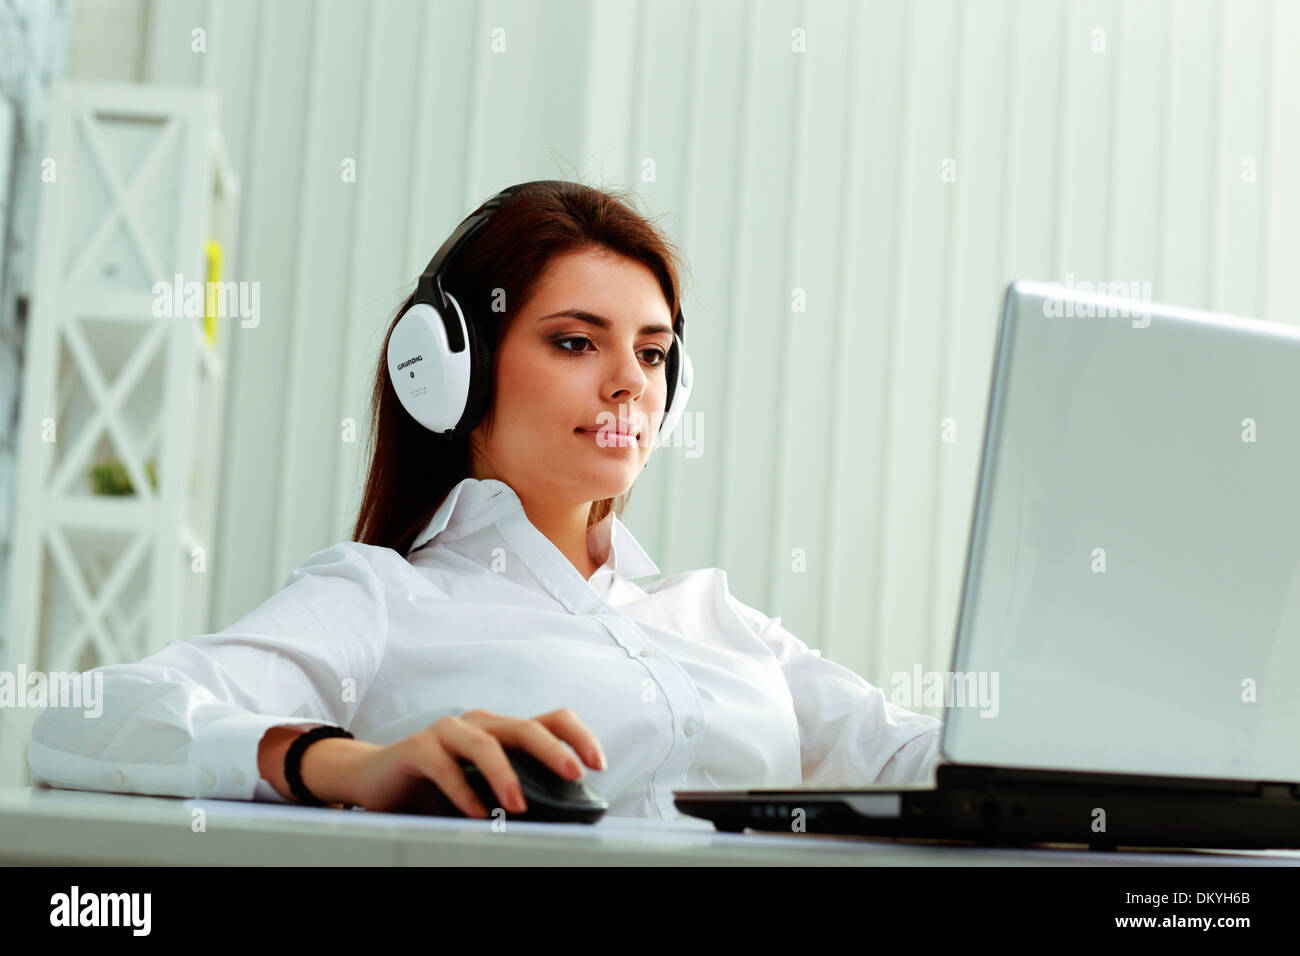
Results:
x,y
141,184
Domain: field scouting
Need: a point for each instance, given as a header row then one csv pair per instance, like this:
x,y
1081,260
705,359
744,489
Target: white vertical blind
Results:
x,y
893,177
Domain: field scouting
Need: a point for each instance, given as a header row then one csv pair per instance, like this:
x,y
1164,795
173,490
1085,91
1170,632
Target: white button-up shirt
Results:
x,y
684,686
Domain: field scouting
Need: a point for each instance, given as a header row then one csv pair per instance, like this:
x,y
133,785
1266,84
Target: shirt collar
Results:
x,y
474,502
623,553
468,506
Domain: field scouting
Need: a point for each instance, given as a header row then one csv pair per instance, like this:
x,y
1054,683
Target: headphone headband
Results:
x,y
446,255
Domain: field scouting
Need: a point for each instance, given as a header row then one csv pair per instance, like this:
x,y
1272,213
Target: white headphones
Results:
x,y
440,359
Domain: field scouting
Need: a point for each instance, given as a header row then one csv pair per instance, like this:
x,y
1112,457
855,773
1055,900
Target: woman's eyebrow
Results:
x,y
600,321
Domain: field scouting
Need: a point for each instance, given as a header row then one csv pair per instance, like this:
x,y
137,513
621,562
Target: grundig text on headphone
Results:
x,y
439,356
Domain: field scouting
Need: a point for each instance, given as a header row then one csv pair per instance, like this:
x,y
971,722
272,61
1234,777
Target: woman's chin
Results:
x,y
606,482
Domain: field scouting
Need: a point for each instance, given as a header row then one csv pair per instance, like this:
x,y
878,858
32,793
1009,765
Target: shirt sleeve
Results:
x,y
187,720
849,732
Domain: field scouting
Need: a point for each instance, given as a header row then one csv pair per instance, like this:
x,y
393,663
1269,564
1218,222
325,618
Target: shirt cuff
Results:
x,y
224,757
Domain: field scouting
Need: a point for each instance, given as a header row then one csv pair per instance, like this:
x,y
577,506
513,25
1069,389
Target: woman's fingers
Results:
x,y
439,750
474,736
545,737
435,758
564,723
481,738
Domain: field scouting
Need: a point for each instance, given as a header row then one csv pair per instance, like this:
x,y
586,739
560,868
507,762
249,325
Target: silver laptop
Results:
x,y
1133,580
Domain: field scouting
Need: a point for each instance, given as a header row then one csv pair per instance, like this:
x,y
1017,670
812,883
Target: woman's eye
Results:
x,y
561,344
578,338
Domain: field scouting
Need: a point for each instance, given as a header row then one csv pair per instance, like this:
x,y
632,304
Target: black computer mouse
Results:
x,y
548,796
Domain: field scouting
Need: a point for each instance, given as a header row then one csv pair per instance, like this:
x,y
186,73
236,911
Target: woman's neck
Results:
x,y
566,528
564,524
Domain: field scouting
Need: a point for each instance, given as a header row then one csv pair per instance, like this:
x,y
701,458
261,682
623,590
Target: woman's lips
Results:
x,y
608,438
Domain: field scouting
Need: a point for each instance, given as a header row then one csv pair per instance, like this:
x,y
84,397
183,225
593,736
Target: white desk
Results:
x,y
69,827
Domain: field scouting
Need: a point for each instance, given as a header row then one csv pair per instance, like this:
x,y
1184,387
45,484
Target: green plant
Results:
x,y
110,477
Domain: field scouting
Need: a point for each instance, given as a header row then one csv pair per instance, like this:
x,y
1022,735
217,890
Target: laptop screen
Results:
x,y
1133,579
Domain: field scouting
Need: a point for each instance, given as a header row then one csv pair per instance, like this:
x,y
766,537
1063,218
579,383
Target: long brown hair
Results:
x,y
412,469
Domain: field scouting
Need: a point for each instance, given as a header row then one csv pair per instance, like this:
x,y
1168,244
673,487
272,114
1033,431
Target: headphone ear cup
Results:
x,y
480,384
430,379
681,381
671,365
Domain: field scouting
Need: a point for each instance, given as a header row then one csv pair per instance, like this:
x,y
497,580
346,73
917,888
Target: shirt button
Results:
x,y
119,777
647,651
238,778
209,779
690,727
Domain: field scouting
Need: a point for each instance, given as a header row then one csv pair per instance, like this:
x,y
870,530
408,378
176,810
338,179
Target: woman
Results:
x,y
489,577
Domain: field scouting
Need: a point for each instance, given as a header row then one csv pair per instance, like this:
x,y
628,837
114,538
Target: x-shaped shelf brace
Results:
x,y
130,629
124,201
106,415
91,610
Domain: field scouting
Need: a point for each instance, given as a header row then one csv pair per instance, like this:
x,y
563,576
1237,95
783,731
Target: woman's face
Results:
x,y
565,386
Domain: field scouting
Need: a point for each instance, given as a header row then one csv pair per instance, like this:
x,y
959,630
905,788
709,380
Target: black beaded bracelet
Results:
x,y
293,760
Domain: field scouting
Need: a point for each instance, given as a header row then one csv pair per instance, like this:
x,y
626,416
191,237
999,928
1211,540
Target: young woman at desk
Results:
x,y
490,577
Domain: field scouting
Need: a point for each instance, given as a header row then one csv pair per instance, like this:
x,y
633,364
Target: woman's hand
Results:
x,y
399,777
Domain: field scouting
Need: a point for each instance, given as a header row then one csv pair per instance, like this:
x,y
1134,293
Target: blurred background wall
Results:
x,y
853,185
